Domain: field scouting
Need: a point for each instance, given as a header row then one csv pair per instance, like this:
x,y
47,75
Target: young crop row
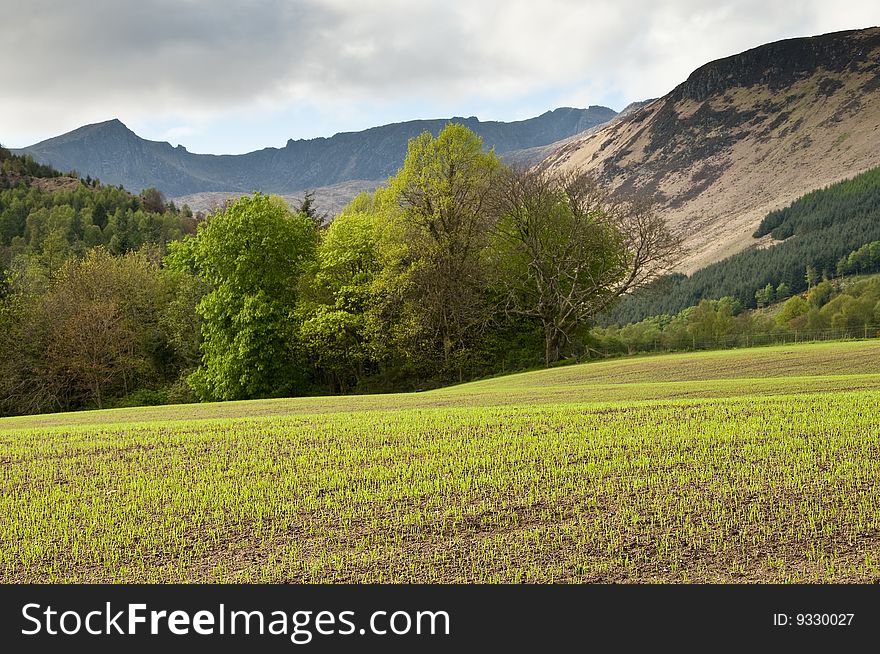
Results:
x,y
762,488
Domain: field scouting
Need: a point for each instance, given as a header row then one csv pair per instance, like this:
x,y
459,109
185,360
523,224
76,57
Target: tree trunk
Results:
x,y
552,337
97,394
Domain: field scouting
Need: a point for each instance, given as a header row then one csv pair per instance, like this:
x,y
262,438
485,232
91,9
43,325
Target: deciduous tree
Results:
x,y
565,249
443,190
251,254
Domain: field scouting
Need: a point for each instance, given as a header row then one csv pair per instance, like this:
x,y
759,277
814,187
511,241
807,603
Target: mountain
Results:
x,y
743,136
529,157
116,155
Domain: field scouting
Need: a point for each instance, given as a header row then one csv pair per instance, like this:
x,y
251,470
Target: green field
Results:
x,y
736,466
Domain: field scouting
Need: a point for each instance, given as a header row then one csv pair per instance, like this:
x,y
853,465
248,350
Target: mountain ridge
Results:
x,y
115,154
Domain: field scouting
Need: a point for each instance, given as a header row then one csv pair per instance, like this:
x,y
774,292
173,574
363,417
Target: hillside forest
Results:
x,y
823,235
458,267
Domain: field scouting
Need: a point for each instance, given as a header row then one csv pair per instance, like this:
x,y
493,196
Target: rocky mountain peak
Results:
x,y
781,64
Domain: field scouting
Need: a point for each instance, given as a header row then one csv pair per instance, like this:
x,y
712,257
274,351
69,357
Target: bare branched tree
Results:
x,y
565,249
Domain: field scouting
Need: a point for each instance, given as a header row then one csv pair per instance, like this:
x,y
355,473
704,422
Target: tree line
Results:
x,y
458,267
13,168
831,308
88,314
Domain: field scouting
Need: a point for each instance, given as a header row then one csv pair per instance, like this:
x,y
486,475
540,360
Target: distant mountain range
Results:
x,y
116,155
743,136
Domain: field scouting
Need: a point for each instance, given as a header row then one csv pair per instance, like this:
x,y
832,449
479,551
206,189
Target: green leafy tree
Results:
x,y
711,321
794,308
820,294
180,320
764,297
88,334
339,312
864,260
443,192
783,292
252,255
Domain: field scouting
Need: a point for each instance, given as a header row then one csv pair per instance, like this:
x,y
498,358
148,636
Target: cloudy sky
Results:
x,y
234,76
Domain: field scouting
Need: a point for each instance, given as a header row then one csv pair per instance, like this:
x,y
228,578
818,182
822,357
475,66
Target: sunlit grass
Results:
x,y
725,473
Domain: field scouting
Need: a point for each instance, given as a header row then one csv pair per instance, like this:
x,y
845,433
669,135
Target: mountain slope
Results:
x,y
817,231
328,200
533,156
116,155
743,136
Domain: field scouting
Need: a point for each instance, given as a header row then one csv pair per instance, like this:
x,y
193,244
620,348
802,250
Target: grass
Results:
x,y
744,465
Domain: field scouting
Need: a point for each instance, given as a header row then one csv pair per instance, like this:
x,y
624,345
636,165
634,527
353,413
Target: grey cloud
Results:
x,y
197,57
199,49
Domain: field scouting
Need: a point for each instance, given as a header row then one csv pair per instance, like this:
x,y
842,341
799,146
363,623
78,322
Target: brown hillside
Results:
x,y
743,136
53,184
328,199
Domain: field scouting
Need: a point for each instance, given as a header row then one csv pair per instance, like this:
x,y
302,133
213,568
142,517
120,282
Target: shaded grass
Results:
x,y
768,370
